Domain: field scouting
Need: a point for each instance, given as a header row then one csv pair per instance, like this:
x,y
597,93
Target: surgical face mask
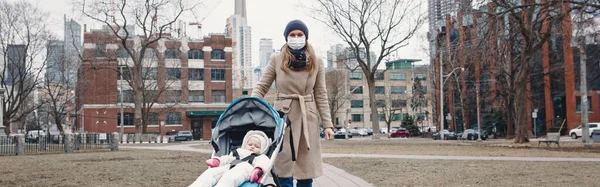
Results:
x,y
296,43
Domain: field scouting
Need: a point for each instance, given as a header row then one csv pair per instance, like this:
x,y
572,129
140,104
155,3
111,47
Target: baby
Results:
x,y
222,174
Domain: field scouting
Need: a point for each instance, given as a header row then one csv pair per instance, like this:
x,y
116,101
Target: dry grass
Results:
x,y
456,148
403,172
122,168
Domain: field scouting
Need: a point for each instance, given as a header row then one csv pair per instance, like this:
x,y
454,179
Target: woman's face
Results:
x,y
296,34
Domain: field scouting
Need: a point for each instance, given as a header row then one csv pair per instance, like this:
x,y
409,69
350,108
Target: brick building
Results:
x,y
192,82
553,86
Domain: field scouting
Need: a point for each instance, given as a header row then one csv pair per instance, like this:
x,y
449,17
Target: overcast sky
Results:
x,y
267,18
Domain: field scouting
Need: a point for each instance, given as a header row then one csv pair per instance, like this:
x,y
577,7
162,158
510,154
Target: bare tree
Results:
x,y
366,25
529,23
336,91
23,36
391,108
154,19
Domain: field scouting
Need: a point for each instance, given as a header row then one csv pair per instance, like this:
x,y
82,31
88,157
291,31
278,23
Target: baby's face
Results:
x,y
253,145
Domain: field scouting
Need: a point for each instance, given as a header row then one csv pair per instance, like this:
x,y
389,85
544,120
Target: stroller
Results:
x,y
241,116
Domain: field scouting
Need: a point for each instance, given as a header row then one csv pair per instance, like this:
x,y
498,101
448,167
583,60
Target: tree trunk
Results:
x,y
520,104
6,126
373,106
138,102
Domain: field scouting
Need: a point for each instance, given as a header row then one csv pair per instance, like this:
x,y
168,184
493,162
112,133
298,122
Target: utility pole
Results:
x,y
441,94
121,98
583,81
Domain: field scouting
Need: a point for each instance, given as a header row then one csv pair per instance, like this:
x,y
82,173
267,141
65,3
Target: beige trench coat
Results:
x,y
303,98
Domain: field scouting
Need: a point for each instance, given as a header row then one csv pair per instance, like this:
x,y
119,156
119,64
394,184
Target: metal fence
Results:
x,y
53,144
7,145
83,142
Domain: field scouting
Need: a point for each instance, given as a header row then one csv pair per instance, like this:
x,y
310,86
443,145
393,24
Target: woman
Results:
x,y
301,94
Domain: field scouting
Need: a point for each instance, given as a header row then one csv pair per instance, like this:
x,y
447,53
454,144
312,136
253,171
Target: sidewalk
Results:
x,y
332,176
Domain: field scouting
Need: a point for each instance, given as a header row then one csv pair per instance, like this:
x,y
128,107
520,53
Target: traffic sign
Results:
x,y
349,121
534,114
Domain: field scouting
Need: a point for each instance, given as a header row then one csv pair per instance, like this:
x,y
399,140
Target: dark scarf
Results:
x,y
298,60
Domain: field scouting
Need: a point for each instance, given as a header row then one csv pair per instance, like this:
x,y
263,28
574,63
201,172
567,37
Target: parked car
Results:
x,y
472,134
448,135
383,130
359,132
183,136
33,136
578,132
402,132
370,131
171,136
341,135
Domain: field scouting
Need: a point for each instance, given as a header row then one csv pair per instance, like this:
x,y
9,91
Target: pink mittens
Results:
x,y
256,175
213,162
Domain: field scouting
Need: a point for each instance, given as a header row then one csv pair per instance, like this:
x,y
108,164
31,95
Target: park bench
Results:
x,y
550,138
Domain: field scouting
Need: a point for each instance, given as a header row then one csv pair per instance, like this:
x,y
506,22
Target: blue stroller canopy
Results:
x,y
248,111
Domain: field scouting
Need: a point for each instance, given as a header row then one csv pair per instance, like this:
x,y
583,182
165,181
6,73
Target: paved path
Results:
x,y
333,177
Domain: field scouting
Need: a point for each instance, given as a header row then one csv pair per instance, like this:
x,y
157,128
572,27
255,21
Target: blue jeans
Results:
x,y
289,182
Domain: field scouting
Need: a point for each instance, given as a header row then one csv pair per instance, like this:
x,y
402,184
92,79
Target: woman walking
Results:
x,y
299,76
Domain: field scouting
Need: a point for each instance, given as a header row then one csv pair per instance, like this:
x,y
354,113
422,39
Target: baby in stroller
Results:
x,y
246,163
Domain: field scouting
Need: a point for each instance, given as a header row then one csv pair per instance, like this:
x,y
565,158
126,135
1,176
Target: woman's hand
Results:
x,y
329,133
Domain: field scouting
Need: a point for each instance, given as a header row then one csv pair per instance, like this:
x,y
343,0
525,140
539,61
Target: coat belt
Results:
x,y
303,99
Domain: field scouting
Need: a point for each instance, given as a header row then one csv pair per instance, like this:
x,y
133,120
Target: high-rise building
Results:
x,y
63,56
265,51
332,55
241,35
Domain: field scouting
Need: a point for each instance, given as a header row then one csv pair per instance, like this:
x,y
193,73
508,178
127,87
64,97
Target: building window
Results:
x,y
173,73
195,74
127,96
358,90
380,103
398,89
379,89
578,103
356,103
245,92
173,118
100,50
125,72
379,76
152,118
150,96
172,54
397,117
357,117
196,54
122,52
397,76
173,96
398,103
196,96
381,116
128,119
217,54
356,76
217,74
150,53
420,76
149,73
218,96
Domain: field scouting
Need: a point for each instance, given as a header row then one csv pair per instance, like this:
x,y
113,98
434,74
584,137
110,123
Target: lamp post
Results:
x,y
442,81
121,104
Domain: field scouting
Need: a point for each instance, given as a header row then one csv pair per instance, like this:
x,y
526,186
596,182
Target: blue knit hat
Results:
x,y
295,25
